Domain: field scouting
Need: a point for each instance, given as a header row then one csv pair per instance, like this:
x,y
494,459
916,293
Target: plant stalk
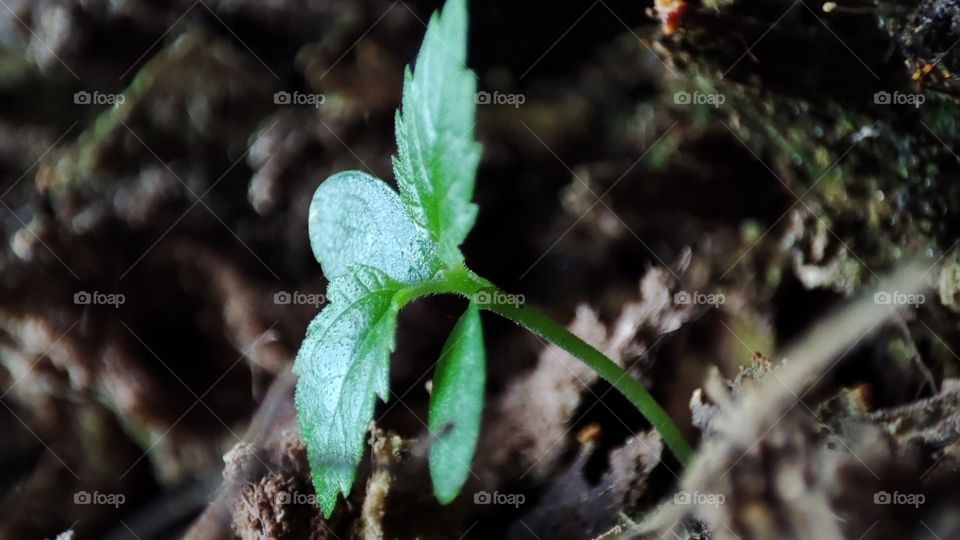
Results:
x,y
543,326
487,296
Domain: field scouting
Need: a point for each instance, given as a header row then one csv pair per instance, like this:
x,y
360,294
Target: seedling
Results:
x,y
381,249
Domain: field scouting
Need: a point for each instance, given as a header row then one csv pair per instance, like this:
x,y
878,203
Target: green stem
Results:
x,y
489,297
545,327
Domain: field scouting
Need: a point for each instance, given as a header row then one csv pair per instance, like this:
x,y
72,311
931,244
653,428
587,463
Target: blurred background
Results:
x,y
690,186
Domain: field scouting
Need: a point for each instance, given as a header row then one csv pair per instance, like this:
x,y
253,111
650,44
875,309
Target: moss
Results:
x,y
838,149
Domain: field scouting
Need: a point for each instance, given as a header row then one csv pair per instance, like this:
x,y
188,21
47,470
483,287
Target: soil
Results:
x,y
773,162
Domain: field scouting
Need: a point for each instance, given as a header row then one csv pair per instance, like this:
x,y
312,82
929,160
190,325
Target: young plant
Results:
x,y
381,249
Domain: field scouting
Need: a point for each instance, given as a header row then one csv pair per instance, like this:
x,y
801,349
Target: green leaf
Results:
x,y
437,156
343,363
456,405
356,218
